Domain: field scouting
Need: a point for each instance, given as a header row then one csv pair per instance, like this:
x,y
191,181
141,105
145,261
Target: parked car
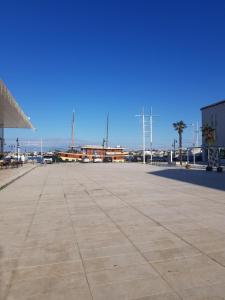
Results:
x,y
47,159
97,159
85,160
107,159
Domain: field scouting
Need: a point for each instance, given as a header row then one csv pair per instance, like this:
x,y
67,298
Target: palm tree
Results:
x,y
179,127
208,133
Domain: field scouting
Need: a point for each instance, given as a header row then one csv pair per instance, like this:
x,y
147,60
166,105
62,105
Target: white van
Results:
x,y
47,159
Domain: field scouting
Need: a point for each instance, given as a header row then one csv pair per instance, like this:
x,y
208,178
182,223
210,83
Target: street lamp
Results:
x,y
17,148
174,147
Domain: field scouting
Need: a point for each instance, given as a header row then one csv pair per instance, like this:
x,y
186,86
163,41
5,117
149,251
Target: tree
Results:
x,y
179,127
208,134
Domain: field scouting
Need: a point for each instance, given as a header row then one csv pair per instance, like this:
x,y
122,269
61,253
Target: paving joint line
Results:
x,y
77,244
15,179
26,235
178,236
163,226
166,228
121,230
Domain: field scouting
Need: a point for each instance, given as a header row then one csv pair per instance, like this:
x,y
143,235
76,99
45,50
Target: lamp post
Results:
x,y
17,149
194,139
174,147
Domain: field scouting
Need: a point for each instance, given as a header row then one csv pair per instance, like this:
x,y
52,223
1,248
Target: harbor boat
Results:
x,y
70,156
109,154
104,152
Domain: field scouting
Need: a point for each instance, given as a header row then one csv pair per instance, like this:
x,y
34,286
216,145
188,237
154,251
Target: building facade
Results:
x,y
214,116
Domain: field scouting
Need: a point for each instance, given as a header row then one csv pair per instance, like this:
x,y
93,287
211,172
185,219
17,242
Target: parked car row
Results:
x,y
139,158
95,160
49,159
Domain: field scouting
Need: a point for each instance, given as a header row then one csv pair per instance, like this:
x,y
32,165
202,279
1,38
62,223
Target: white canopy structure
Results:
x,y
11,115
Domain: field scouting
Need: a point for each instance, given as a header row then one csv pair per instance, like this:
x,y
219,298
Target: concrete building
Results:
x,y
214,116
11,115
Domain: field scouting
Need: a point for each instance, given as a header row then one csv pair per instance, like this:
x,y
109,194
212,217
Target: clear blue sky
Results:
x,y
116,56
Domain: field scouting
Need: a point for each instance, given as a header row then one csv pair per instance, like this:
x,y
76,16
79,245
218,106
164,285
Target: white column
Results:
x,y
151,134
143,129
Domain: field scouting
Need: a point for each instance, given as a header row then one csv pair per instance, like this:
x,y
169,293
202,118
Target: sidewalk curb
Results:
x,y
16,178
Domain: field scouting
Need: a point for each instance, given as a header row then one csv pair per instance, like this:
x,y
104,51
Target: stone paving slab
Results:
x,y
9,175
112,231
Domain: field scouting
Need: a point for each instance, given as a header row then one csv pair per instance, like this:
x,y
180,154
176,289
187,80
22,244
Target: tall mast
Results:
x,y
147,128
107,132
143,117
73,121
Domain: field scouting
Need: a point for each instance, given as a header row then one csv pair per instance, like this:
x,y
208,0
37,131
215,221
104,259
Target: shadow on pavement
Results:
x,y
212,180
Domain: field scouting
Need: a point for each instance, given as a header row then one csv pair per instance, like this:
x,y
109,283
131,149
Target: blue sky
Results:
x,y
112,56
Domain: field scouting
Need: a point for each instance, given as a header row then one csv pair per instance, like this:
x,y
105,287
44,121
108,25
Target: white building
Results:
x,y
214,116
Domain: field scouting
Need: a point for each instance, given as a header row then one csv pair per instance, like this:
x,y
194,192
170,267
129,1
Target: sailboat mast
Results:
x,y
107,131
73,121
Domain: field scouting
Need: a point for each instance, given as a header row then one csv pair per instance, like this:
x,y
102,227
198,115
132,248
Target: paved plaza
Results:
x,y
113,232
8,175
